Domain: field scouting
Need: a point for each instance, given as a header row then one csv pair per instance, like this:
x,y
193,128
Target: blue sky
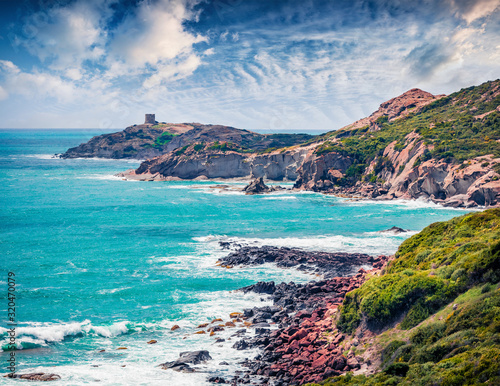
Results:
x,y
259,65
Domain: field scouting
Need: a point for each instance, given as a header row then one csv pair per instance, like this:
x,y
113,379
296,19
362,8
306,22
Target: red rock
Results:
x,y
320,362
298,335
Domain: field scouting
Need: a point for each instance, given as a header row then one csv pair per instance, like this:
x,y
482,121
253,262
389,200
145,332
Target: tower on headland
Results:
x,y
150,119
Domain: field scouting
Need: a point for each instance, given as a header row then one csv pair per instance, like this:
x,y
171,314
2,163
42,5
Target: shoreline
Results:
x,y
305,346
451,203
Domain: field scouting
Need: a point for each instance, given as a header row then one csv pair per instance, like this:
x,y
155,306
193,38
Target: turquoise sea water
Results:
x,y
102,263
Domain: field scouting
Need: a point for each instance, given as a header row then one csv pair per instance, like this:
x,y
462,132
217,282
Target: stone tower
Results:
x,y
150,118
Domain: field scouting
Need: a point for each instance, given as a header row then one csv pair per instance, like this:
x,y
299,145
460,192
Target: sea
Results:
x,y
103,265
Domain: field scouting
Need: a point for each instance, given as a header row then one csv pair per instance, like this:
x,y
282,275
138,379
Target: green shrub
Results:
x,y
199,147
163,139
181,150
399,369
438,250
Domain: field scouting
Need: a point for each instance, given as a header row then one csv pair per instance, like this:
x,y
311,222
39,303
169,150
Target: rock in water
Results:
x,y
395,230
44,377
256,186
181,364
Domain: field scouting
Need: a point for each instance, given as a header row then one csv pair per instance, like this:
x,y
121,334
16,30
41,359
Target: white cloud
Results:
x,y
3,94
471,11
173,71
68,35
35,85
154,35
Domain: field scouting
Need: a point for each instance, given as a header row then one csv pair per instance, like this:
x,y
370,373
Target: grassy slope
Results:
x,y
446,125
449,263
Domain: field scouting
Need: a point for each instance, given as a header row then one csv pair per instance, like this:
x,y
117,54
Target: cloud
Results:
x,y
472,10
155,35
3,94
36,85
425,59
173,71
270,65
66,36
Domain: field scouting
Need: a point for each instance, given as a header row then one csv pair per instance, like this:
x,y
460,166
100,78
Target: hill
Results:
x,y
433,315
417,145
152,140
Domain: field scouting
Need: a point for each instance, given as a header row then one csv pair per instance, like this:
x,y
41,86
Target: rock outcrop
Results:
x,y
411,101
191,163
320,263
256,186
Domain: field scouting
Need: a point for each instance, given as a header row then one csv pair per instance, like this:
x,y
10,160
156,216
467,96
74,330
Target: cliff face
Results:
x,y
215,163
446,149
417,145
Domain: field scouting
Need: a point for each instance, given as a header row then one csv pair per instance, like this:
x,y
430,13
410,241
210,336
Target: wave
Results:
x,y
373,243
42,156
280,197
110,177
409,204
42,334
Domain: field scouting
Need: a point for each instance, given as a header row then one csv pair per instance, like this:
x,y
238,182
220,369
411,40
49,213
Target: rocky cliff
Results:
x,y
446,149
216,160
418,145
148,140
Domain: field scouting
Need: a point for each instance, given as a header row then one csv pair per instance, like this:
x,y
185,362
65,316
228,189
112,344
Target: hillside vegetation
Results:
x,y
437,307
455,128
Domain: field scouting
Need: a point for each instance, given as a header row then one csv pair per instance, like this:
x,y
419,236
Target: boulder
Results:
x,y
181,364
256,186
241,345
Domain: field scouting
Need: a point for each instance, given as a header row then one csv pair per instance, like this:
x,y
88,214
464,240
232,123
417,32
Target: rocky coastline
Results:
x,y
305,345
443,149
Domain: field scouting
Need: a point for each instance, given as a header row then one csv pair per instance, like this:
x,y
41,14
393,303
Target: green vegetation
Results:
x,y
462,349
448,125
181,150
430,269
163,139
443,286
223,146
198,147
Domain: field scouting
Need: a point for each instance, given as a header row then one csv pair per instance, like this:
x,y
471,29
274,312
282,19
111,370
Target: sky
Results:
x,y
271,66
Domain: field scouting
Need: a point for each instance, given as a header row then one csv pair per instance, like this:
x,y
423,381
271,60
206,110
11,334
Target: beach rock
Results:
x,y
241,345
261,287
299,351
175,327
43,377
193,357
325,263
256,186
